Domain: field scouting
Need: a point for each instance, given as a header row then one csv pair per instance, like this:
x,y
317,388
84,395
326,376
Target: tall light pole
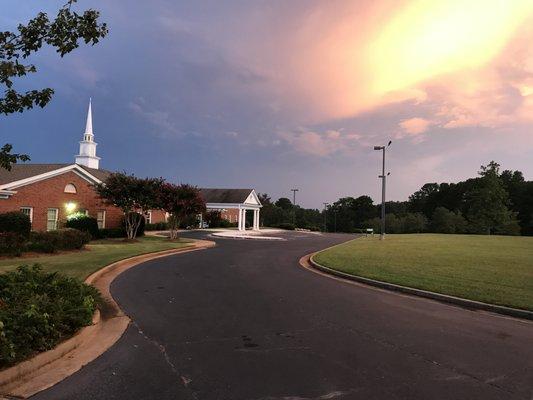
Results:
x,y
325,220
294,204
383,177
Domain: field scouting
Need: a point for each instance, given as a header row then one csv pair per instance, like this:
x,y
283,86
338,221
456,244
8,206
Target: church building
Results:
x,y
49,193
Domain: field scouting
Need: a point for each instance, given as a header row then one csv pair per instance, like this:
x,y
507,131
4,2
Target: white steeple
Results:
x,y
87,154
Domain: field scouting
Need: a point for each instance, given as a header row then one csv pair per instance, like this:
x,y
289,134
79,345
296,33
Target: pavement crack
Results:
x,y
185,380
327,396
424,358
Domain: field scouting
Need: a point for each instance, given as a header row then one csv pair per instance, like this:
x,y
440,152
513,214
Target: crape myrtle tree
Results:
x,y
134,196
180,202
63,33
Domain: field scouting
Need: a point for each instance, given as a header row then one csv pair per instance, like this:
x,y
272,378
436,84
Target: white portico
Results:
x,y
242,200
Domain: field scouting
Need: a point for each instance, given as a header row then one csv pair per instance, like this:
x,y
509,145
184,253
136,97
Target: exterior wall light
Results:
x,y
70,207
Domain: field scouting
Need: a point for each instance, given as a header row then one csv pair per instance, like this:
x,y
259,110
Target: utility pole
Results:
x,y
383,177
325,219
294,204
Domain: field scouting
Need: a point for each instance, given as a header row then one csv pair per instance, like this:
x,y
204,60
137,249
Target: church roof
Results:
x,y
225,195
24,171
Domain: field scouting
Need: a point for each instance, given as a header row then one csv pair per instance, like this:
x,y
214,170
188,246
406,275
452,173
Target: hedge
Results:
x,y
15,222
61,239
39,310
84,223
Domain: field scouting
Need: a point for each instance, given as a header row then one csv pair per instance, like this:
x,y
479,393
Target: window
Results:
x,y
51,219
100,219
148,217
70,188
27,211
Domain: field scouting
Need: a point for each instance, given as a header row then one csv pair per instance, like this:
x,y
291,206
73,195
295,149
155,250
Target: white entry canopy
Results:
x,y
239,199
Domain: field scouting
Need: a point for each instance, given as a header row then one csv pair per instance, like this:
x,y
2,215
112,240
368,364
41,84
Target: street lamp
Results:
x,y
325,220
383,185
294,204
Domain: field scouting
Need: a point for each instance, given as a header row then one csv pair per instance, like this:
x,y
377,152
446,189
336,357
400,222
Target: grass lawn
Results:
x,y
492,269
96,255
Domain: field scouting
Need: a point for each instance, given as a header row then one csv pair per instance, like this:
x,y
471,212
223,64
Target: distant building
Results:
x,y
49,193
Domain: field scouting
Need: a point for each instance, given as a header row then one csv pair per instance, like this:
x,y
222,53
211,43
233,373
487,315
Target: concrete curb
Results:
x,y
46,369
459,301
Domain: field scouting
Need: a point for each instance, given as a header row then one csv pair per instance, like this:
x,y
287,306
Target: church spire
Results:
x,y
87,156
89,123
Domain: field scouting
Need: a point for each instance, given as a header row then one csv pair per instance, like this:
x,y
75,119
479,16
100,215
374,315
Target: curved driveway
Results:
x,y
244,321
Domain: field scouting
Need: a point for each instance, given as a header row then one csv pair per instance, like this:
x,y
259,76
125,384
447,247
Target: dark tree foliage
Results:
x,y
284,203
64,33
134,196
180,202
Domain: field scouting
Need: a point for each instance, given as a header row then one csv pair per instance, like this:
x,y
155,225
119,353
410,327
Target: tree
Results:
x,y
134,196
284,203
414,223
488,202
62,33
446,221
180,202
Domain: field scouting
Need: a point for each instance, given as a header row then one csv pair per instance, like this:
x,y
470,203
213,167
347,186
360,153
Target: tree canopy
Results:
x,y
63,33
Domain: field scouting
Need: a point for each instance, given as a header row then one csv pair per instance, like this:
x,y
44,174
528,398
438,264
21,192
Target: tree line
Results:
x,y
494,202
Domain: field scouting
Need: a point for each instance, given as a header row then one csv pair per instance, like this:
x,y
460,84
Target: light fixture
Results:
x,y
70,207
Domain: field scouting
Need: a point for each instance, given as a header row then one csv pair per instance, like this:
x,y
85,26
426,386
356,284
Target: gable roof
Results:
x,y
225,195
22,174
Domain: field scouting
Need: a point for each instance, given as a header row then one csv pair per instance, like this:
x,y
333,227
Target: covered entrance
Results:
x,y
234,201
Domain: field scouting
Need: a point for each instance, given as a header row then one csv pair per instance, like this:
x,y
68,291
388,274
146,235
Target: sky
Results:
x,y
277,95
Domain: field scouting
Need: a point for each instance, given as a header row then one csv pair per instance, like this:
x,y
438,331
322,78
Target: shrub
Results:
x,y
15,222
12,243
286,225
62,239
39,310
112,233
224,223
84,223
158,226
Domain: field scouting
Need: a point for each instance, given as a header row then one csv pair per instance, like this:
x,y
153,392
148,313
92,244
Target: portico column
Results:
x,y
241,219
256,220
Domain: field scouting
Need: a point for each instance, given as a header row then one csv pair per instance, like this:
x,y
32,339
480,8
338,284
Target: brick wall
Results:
x,y
49,193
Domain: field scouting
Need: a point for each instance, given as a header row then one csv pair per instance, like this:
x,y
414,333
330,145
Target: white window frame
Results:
x,y
30,213
148,217
49,220
72,189
100,222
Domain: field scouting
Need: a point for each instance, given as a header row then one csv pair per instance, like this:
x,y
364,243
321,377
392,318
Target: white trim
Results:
x,y
31,212
78,170
149,219
221,206
103,218
56,220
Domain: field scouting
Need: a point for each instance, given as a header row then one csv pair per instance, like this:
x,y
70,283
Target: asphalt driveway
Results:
x,y
244,321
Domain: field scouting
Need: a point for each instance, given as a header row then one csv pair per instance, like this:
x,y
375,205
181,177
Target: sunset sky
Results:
x,y
281,94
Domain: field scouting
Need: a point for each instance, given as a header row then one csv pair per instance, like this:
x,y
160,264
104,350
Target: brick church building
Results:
x,y
49,193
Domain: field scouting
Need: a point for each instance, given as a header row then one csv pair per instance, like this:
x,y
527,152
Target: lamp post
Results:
x,y
325,220
383,177
294,204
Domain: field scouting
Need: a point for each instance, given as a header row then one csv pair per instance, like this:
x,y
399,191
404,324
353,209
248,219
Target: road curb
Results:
x,y
459,301
46,369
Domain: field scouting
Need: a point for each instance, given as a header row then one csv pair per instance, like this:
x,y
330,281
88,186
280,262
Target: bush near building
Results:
x,y
84,223
39,310
15,222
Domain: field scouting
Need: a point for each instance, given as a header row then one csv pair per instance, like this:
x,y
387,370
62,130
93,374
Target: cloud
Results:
x,y
321,144
160,120
415,126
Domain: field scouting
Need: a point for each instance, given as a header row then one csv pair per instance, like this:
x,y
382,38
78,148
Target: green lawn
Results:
x,y
96,255
492,269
